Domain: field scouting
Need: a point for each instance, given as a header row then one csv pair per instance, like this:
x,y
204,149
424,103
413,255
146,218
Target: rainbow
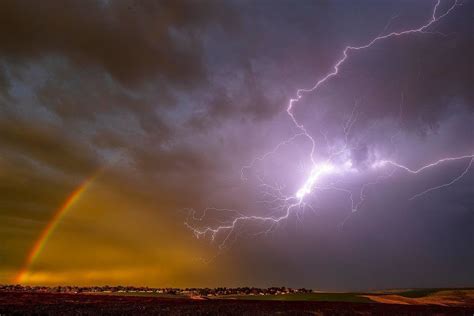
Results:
x,y
47,231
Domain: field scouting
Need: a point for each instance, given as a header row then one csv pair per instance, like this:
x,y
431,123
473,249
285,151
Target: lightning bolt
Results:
x,y
336,165
445,184
415,171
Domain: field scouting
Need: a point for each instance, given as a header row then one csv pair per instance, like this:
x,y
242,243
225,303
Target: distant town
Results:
x,y
203,292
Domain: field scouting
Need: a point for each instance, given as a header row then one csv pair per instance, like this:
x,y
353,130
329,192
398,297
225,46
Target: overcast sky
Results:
x,y
163,103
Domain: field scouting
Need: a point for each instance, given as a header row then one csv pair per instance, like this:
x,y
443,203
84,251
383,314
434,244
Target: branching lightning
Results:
x,y
324,175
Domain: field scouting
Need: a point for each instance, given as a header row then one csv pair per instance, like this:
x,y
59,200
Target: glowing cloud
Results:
x,y
335,164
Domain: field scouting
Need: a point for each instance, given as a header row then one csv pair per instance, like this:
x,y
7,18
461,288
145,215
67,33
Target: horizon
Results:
x,y
315,290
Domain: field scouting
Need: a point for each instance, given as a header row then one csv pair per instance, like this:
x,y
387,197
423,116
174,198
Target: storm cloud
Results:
x,y
168,100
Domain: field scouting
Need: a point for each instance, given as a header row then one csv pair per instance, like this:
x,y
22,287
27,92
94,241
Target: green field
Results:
x,y
321,297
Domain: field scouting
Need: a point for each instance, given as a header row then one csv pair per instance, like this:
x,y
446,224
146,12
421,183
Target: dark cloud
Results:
x,y
414,79
250,102
44,143
132,40
90,97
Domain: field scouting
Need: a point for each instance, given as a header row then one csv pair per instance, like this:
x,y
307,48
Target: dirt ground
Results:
x,y
443,298
84,304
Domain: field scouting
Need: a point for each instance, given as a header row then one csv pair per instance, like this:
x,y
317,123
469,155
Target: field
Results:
x,y
315,297
444,297
87,304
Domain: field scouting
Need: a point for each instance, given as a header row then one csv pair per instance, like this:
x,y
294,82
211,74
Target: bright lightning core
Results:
x,y
329,173
317,172
320,170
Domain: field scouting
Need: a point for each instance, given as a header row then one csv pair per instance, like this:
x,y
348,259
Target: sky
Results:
x,y
150,143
